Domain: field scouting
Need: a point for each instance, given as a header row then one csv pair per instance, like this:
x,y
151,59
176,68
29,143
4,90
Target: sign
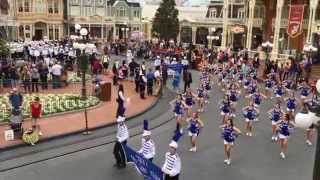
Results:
x,y
8,135
295,21
176,67
145,167
237,29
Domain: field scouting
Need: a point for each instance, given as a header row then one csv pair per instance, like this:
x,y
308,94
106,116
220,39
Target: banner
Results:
x,y
176,67
295,22
145,167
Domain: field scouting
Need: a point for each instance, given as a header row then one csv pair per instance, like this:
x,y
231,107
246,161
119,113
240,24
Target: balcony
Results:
x,y
257,22
237,2
284,23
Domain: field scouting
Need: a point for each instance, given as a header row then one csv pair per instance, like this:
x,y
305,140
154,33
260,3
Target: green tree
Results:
x,y
166,23
4,49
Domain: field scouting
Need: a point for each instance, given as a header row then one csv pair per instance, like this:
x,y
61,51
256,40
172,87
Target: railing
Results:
x,y
237,1
257,22
284,23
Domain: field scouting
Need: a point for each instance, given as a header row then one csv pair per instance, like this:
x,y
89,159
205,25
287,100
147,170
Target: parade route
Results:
x,y
253,158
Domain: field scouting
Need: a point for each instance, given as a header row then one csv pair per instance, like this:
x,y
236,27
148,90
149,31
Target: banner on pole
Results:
x,y
145,167
295,22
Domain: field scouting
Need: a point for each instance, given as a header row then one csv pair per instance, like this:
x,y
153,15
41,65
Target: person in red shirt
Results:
x,y
35,110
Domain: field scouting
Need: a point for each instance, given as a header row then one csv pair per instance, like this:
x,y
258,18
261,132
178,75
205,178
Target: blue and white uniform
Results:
x,y
257,98
305,91
148,149
233,96
225,108
178,108
291,104
268,84
189,101
275,116
194,127
122,133
278,91
284,131
172,165
200,92
250,114
228,135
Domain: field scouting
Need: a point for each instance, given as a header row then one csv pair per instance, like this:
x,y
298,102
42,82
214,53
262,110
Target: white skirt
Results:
x,y
281,136
227,143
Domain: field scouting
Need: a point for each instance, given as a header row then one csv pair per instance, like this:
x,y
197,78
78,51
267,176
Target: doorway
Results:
x,y
38,34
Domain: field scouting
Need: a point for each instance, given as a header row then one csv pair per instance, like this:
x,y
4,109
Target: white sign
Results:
x,y
8,135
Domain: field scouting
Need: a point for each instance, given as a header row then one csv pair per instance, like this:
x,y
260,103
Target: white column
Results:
x,y
250,24
54,31
114,32
312,17
179,35
194,34
277,25
225,23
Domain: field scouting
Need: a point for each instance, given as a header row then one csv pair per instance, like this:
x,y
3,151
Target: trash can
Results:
x,y
105,93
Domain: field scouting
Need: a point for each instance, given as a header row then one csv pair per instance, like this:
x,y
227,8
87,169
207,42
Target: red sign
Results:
x,y
295,26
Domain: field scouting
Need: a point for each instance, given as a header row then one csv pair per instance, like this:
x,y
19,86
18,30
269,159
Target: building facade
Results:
x,y
39,19
8,23
108,20
249,23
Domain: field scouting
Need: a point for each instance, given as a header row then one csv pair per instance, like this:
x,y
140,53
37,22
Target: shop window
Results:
x,y
27,6
21,32
136,13
213,13
20,6
121,12
241,13
56,7
50,6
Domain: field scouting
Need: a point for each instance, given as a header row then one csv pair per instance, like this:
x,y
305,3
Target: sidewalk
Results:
x,y
70,123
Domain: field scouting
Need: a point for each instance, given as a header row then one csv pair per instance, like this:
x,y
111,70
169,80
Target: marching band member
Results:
x,y
195,124
172,165
225,107
122,136
189,101
291,103
229,133
148,149
268,84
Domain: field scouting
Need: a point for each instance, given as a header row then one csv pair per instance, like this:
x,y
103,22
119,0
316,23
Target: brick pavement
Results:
x,y
67,123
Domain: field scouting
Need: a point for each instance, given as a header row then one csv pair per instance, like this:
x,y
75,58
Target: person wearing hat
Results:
x,y
122,136
148,149
172,165
142,84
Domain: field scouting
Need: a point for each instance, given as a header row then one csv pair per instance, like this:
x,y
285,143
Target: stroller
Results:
x,y
15,121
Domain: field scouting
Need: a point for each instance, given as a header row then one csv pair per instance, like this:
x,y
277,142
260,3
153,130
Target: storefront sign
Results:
x,y
145,167
295,26
237,29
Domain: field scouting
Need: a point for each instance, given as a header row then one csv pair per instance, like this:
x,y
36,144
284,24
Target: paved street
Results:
x,y
253,158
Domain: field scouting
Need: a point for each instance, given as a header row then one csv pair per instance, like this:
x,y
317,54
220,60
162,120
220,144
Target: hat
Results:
x,y
146,131
120,119
175,138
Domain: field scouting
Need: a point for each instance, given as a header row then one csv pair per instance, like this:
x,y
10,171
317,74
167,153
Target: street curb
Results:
x,y
6,148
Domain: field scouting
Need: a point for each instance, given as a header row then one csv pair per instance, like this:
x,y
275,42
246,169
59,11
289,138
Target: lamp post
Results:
x,y
83,64
268,47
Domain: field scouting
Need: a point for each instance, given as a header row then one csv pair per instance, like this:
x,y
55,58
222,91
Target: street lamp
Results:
x,y
268,47
83,64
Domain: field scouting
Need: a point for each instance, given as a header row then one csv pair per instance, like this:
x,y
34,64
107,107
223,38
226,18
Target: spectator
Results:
x,y
115,74
16,99
142,85
35,76
150,80
56,72
44,71
35,110
187,79
26,79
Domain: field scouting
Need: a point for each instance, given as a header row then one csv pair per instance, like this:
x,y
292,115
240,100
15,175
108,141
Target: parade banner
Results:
x,y
295,21
176,67
149,170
